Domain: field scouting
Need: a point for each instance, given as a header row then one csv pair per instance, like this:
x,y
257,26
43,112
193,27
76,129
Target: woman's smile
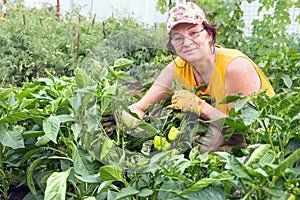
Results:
x,y
189,51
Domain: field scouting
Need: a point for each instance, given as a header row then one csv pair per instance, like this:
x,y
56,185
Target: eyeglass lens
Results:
x,y
177,38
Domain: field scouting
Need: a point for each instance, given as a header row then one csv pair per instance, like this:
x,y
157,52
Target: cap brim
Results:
x,y
181,22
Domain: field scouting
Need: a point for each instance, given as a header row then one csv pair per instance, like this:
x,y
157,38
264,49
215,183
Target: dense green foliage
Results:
x,y
33,40
53,105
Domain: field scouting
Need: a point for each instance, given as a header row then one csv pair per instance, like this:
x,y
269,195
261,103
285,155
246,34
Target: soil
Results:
x,y
17,193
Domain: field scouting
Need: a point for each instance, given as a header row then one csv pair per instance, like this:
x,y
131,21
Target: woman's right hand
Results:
x,y
129,120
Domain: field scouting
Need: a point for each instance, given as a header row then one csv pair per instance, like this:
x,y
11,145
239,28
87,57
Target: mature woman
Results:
x,y
200,61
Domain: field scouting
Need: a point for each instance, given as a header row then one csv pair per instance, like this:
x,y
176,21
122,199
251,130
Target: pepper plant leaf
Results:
x,y
11,138
51,127
57,185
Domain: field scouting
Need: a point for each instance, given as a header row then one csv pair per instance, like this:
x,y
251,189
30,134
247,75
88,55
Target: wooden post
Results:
x,y
78,40
93,22
24,20
58,10
103,30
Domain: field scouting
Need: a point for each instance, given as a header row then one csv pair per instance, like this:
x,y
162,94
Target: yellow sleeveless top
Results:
x,y
183,73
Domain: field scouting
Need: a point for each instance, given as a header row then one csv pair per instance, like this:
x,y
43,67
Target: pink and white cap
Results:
x,y
187,12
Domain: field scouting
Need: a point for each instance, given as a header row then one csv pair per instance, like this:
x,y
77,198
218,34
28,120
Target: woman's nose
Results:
x,y
187,41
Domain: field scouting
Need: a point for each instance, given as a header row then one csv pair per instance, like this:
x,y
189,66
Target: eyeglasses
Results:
x,y
177,39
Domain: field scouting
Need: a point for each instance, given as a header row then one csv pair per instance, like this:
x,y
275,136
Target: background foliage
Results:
x,y
53,142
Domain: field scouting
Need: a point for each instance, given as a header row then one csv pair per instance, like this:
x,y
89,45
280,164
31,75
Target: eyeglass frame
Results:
x,y
183,37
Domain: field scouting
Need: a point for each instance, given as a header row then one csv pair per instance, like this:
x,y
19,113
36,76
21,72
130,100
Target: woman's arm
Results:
x,y
157,91
241,77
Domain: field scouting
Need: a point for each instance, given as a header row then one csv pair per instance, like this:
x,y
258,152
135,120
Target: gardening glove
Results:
x,y
186,101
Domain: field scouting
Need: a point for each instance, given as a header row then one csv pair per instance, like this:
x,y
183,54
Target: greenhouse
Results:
x,y
142,100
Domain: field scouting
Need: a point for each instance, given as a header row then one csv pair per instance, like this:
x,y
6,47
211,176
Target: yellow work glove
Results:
x,y
186,101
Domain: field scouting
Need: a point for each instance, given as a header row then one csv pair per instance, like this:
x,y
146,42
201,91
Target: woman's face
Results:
x,y
191,42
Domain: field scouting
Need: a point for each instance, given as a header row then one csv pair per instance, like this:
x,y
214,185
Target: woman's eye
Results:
x,y
178,38
193,34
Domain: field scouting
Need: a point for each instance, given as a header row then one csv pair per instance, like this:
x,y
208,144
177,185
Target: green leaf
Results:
x,y
268,158
287,80
89,198
110,90
104,185
76,129
106,148
240,103
276,117
57,186
15,117
89,178
99,73
126,192
202,183
238,168
82,79
11,139
5,92
258,153
30,172
82,162
250,115
236,124
231,98
276,192
295,156
32,134
51,127
112,173
11,101
111,195
145,192
30,153
207,194
76,103
170,189
122,62
46,80
295,118
148,130
65,118
42,141
33,166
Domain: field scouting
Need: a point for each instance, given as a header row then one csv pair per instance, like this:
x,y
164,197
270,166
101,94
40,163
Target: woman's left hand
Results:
x,y
186,101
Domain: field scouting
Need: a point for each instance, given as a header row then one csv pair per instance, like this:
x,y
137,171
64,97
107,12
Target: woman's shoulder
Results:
x,y
227,52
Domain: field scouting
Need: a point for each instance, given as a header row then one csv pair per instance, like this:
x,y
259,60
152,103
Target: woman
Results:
x,y
201,62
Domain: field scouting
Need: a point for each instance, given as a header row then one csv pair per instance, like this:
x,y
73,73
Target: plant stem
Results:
x,y
3,175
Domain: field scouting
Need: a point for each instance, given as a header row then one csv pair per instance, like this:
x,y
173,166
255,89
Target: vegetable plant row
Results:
x,y
56,141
